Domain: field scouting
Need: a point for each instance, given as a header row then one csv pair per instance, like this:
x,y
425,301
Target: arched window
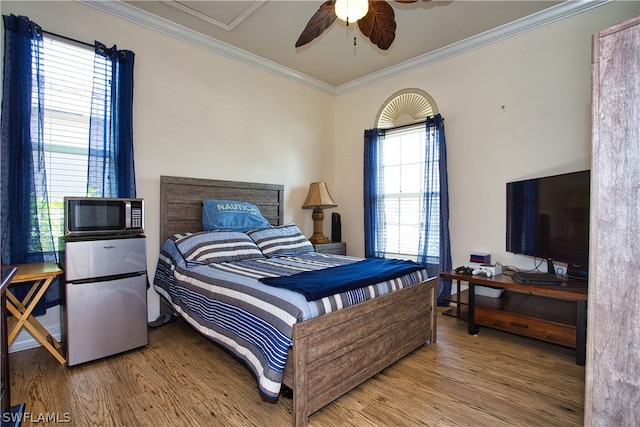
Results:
x,y
405,189
406,107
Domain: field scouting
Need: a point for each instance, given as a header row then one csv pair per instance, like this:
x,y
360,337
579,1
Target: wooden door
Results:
x,y
613,333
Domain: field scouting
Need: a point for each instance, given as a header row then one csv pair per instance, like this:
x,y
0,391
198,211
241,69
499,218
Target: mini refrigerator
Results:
x,y
106,296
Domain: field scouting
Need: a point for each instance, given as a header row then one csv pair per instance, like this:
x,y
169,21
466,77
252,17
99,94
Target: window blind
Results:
x,y
68,71
404,186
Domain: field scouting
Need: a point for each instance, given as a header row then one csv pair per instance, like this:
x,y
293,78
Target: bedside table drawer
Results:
x,y
337,248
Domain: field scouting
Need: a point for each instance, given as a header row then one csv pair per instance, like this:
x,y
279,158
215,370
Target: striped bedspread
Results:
x,y
227,303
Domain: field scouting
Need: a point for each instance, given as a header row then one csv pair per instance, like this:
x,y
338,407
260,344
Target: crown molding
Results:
x,y
137,16
171,29
553,14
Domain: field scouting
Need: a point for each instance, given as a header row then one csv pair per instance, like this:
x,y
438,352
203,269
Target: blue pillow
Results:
x,y
231,215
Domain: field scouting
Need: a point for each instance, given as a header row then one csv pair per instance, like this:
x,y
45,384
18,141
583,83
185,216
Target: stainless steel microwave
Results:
x,y
86,216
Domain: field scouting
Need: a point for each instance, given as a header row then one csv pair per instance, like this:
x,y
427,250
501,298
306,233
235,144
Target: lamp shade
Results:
x,y
318,197
351,10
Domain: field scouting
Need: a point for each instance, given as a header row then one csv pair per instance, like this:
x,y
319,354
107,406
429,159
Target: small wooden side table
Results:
x,y
11,415
41,274
337,248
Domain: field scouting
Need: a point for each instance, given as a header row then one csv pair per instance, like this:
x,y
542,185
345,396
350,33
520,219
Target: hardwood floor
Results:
x,y
182,379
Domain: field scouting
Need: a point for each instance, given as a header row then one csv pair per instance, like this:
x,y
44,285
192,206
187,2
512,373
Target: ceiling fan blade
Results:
x,y
379,24
320,21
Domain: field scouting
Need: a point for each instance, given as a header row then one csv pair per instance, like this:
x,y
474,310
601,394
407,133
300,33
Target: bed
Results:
x,y
330,354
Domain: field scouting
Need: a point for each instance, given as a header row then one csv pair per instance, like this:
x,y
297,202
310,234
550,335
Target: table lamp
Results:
x,y
318,199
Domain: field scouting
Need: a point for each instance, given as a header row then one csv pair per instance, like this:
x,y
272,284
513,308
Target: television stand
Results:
x,y
555,314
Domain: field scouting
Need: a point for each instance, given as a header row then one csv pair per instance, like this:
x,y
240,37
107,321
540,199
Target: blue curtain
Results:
x,y
111,167
437,178
435,206
25,222
374,245
26,225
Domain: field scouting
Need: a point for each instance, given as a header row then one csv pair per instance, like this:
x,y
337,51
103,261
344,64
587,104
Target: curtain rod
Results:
x,y
68,39
409,124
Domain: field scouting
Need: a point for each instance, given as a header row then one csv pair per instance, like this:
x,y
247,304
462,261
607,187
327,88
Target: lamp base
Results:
x,y
318,239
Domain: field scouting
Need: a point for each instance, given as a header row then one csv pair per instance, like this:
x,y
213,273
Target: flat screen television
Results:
x,y
548,217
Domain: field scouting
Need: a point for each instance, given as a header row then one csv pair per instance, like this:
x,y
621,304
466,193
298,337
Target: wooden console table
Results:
x,y
556,314
41,274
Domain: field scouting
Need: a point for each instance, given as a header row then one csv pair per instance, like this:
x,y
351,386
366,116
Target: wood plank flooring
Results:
x,y
182,379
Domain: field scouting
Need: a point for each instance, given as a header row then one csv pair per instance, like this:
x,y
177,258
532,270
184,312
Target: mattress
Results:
x,y
226,302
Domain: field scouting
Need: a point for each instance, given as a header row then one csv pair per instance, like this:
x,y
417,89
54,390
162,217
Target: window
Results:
x,y
404,179
68,77
406,198
405,107
403,190
51,144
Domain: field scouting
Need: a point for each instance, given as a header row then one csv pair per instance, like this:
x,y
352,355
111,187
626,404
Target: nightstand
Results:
x,y
337,248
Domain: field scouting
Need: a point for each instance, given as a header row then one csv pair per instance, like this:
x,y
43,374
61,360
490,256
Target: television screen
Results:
x,y
548,217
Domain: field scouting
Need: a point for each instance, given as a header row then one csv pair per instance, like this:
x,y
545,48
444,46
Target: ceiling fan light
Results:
x,y
351,10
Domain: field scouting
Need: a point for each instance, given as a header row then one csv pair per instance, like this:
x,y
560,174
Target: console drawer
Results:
x,y
564,335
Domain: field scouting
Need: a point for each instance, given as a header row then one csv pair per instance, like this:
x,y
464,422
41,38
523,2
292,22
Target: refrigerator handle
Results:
x,y
107,278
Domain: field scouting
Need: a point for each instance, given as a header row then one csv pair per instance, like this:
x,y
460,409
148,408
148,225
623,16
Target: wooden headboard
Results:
x,y
181,201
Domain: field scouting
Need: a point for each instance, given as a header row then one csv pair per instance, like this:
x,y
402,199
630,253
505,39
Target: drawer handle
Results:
x,y
520,325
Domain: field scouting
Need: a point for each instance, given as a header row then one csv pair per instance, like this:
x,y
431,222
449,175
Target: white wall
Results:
x,y
515,109
199,114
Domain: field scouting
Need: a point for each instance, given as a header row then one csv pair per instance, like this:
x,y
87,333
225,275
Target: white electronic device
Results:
x,y
494,269
482,272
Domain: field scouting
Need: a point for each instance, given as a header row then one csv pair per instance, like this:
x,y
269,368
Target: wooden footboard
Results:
x,y
336,352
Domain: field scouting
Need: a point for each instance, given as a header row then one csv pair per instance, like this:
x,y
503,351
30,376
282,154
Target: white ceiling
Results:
x,y
263,33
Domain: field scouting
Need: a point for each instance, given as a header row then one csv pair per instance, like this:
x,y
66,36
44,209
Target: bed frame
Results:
x,y
336,352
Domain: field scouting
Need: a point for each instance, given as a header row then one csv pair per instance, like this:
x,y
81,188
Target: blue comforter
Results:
x,y
317,284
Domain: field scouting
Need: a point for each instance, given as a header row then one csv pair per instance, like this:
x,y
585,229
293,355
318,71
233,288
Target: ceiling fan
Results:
x,y
377,22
